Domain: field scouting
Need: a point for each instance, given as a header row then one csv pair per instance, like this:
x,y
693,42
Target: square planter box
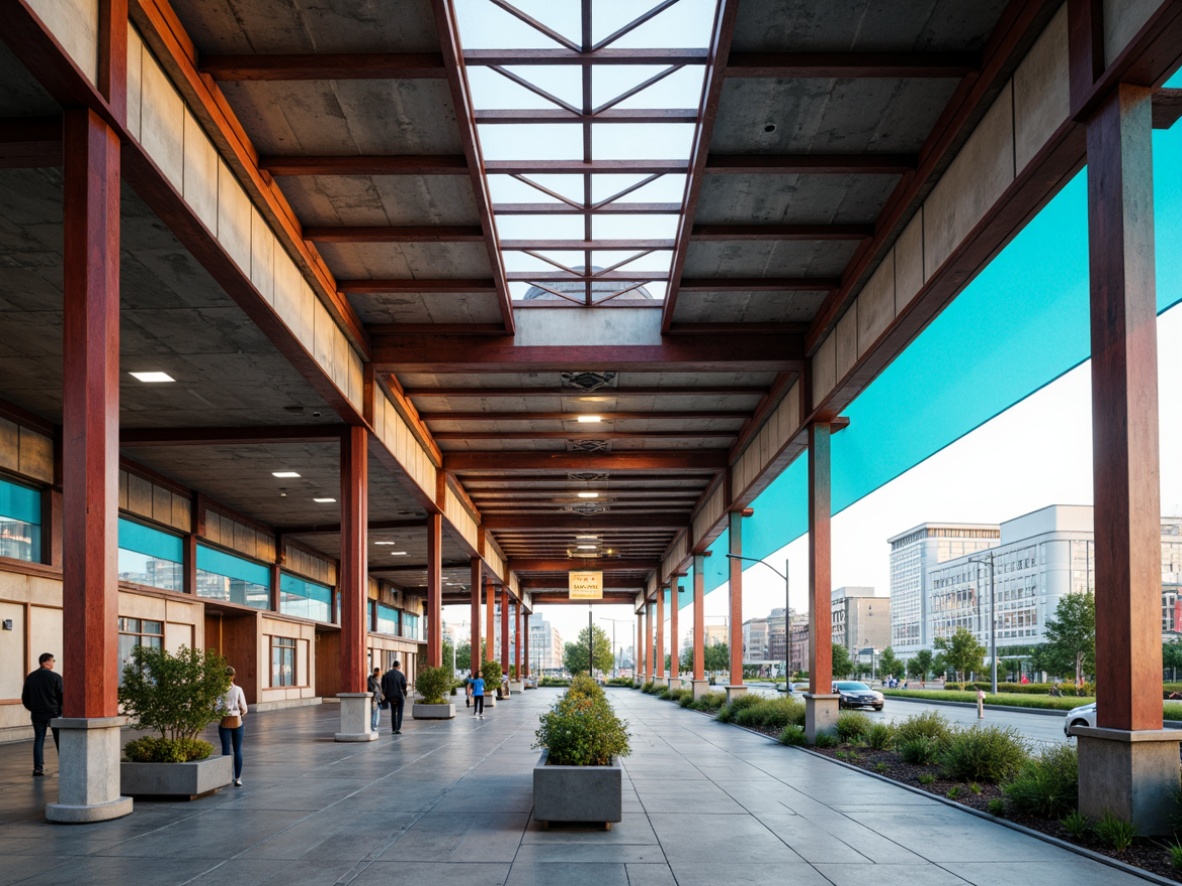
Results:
x,y
420,711
189,780
577,793
490,699
516,686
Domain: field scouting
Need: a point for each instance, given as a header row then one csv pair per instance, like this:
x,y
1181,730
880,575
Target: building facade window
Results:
x,y
135,632
387,620
148,556
20,522
283,662
222,576
410,626
304,599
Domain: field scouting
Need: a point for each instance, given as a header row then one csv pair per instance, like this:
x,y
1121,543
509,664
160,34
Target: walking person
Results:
x,y
374,685
42,698
231,728
478,695
394,689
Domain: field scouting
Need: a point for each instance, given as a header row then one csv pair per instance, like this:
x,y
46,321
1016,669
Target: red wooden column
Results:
x,y
673,635
474,617
821,707
89,754
660,633
699,624
434,590
638,651
648,641
490,603
735,585
517,639
525,645
1128,764
505,631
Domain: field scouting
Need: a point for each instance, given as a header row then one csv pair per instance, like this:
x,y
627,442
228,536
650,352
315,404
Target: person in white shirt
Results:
x,y
232,725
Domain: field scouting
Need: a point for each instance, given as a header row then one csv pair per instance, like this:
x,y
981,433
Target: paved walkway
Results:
x,y
449,803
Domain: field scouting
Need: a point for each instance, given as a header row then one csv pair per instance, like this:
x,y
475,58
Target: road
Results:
x,y
1040,728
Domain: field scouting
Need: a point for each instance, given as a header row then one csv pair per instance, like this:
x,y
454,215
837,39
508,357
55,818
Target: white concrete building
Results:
x,y
545,646
859,619
913,554
755,640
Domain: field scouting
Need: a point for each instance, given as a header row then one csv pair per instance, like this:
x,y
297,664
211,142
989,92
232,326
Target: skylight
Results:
x,y
586,114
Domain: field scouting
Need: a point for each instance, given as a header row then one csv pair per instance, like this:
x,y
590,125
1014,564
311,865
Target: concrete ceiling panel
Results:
x,y
765,258
793,199
347,116
22,95
828,116
866,25
382,200
748,307
296,26
429,307
403,261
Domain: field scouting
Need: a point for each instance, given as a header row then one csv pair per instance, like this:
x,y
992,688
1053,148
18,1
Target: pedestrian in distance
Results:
x,y
478,695
231,727
394,690
374,685
42,698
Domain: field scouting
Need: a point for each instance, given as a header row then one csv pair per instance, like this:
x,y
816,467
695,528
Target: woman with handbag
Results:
x,y
231,727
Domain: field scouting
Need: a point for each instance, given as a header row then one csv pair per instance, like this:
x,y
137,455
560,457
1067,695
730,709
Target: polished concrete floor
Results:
x,y
449,803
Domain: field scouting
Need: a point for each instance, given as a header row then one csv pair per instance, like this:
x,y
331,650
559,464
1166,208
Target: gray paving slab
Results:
x,y
704,803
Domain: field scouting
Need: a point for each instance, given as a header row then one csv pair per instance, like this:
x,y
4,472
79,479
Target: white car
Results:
x,y
1085,715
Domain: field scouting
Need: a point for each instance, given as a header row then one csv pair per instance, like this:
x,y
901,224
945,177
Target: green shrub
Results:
x,y
491,671
582,730
1077,824
151,749
991,754
954,792
620,681
929,725
881,737
769,713
648,687
710,702
434,684
583,685
686,699
1175,850
1114,832
826,740
996,806
661,691
922,750
554,681
881,767
927,778
793,735
727,713
175,695
1047,786
853,727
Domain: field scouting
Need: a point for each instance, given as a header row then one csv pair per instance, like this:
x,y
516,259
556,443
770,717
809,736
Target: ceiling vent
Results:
x,y
588,381
587,508
588,446
588,477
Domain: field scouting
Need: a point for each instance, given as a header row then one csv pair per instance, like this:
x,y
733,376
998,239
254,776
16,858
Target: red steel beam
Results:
x,y
365,164
519,57
579,167
573,245
798,65
550,462
565,564
526,116
518,523
510,416
639,391
326,66
445,436
567,209
30,142
145,437
366,287
396,234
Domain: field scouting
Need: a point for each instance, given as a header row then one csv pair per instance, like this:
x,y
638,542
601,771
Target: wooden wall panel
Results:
x,y
1121,20
233,231
162,126
75,25
135,80
200,174
876,304
1042,90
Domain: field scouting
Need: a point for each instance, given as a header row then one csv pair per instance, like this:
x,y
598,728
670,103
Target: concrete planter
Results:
x,y
516,686
420,711
577,793
490,699
189,780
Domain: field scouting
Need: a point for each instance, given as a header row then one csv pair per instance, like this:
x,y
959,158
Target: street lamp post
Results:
x,y
992,623
615,649
787,615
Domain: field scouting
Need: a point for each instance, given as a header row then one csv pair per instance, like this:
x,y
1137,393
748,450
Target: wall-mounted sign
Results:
x,y
586,585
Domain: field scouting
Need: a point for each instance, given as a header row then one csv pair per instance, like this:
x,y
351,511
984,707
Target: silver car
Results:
x,y
1084,715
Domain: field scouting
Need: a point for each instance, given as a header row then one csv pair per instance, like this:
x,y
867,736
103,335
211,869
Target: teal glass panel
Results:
x,y
304,599
20,522
221,563
387,620
410,626
20,503
148,541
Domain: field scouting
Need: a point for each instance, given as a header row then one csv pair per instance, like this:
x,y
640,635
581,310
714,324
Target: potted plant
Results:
x,y
491,672
178,696
515,683
578,777
434,685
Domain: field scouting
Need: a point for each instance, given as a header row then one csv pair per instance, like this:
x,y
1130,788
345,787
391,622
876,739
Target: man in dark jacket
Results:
x,y
42,697
394,690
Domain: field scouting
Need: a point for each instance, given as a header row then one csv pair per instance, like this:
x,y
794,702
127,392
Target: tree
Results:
x,y
449,651
962,653
1071,636
843,665
1171,657
889,665
717,657
574,656
920,665
687,660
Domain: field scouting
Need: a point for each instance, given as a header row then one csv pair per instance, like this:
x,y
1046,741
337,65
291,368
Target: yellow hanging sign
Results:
x,y
586,585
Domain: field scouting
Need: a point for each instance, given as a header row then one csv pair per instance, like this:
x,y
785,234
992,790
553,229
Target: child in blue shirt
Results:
x,y
478,695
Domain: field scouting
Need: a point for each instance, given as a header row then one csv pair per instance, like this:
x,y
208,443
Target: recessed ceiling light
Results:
x,y
398,554
587,547
324,501
283,475
588,495
587,538
589,419
152,377
383,542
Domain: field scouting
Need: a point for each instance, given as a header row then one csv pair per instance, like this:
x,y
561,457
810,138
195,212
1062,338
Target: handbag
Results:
x,y
231,722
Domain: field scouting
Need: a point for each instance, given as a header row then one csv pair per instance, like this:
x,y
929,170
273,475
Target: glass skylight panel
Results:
x,y
544,142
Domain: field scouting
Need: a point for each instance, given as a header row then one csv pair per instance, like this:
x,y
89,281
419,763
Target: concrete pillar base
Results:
x,y
700,687
88,788
733,692
1132,774
820,714
355,714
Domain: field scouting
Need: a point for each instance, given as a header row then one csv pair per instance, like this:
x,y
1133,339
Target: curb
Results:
x,y
1046,712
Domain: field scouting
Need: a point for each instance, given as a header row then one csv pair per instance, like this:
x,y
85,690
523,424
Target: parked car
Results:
x,y
857,695
1084,715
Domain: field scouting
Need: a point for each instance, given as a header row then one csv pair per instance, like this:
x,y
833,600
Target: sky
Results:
x,y
1036,453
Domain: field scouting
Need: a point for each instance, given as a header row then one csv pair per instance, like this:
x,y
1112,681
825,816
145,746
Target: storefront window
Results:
x,y
222,576
387,620
150,557
410,626
283,661
20,522
304,599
